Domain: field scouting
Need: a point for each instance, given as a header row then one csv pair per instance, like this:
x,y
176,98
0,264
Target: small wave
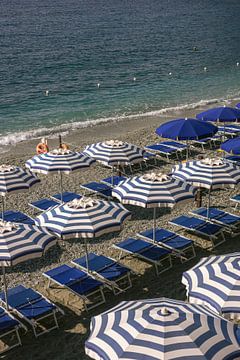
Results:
x,y
64,129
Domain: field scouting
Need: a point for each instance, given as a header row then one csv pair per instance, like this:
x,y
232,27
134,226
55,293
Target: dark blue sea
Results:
x,y
66,64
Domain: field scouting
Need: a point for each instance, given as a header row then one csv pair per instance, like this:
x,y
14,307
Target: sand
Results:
x,y
68,341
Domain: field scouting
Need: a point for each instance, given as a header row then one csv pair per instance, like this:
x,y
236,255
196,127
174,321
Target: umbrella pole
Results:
x,y
3,207
187,150
86,252
5,285
208,206
154,223
61,187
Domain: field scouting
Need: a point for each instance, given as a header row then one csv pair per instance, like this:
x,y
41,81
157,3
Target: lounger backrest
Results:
x,y
95,262
66,275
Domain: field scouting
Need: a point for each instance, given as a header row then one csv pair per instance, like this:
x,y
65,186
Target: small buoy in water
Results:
x,y
46,92
195,48
237,63
98,85
205,68
170,73
134,79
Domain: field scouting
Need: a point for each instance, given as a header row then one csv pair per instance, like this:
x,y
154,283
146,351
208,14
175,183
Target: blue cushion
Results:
x,y
134,245
188,222
95,262
114,272
99,187
160,234
65,274
44,204
114,180
236,197
36,309
66,196
85,286
174,144
154,253
161,148
7,322
178,242
18,217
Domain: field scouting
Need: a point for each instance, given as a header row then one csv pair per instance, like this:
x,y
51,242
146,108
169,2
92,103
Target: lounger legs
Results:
x,y
17,343
163,265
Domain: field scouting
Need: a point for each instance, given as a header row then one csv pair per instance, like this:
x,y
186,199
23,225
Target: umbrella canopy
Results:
x,y
13,179
232,146
161,329
208,173
115,153
85,217
20,242
59,161
238,106
215,282
186,129
153,190
221,114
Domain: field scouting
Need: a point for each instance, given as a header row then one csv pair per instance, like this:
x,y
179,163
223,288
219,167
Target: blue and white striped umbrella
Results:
x,y
153,190
20,242
115,153
208,173
59,161
85,217
215,282
161,329
13,179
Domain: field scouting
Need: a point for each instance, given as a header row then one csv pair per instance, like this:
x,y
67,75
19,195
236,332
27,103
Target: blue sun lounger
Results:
x,y
214,232
66,196
115,275
233,158
32,307
227,131
233,127
17,217
179,246
175,145
44,204
94,187
154,254
221,217
113,180
79,283
162,150
202,142
9,327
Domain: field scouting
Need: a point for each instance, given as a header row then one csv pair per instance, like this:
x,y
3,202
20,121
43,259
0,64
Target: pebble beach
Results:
x,y
74,326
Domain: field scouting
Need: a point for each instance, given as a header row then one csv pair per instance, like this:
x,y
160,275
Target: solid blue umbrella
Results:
x,y
186,129
232,146
221,114
162,329
215,283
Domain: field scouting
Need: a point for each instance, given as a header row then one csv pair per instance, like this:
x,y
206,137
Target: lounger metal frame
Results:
x,y
198,231
91,191
85,298
157,264
182,254
14,331
116,285
35,323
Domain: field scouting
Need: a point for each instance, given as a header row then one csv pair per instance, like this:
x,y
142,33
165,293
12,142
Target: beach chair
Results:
x,y
17,217
113,180
179,246
227,131
230,221
203,143
78,282
9,330
233,159
214,232
154,254
44,204
163,150
149,157
236,200
175,145
115,275
233,127
94,187
32,307
66,196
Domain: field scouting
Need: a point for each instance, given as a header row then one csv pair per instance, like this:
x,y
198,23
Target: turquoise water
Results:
x,y
140,52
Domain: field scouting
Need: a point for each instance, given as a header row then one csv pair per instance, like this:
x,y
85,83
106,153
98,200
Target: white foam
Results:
x,y
63,129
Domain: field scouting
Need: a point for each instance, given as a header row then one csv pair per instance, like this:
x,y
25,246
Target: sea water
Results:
x,y
67,64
